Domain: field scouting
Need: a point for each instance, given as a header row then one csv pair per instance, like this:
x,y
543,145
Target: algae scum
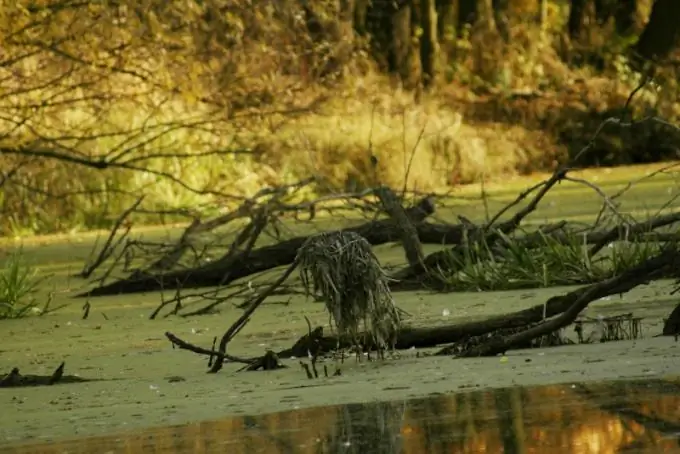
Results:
x,y
618,416
147,397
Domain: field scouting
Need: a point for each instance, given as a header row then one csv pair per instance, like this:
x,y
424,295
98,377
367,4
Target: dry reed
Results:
x,y
342,268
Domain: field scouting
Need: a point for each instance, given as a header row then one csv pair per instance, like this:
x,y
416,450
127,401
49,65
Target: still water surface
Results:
x,y
615,417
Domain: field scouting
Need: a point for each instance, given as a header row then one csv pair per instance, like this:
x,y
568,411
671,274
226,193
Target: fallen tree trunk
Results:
x,y
565,307
408,232
427,337
649,270
378,232
225,271
411,277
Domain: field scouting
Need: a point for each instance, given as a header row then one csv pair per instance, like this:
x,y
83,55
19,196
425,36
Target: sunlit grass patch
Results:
x,y
424,146
544,261
19,283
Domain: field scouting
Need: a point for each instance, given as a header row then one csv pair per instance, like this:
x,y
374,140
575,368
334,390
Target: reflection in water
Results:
x,y
614,417
365,428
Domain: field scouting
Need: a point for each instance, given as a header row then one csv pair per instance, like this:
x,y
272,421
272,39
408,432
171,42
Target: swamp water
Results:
x,y
429,404
637,416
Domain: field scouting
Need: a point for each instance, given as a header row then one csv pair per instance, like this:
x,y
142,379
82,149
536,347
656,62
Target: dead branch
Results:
x,y
253,230
228,269
570,304
647,271
440,260
409,235
428,337
184,345
633,230
109,246
245,317
247,208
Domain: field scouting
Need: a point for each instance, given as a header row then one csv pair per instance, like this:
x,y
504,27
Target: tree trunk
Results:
x,y
543,18
624,13
446,28
232,267
388,23
402,46
578,13
429,48
500,13
467,14
662,34
359,12
486,14
626,16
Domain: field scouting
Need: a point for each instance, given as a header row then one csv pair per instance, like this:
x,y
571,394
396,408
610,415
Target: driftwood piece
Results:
x,y
245,317
671,325
258,260
379,232
427,337
409,234
15,379
651,269
490,233
556,313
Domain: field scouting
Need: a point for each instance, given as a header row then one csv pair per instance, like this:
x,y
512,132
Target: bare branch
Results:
x,y
109,247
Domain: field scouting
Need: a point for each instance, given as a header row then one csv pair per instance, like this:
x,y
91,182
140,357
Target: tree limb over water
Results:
x,y
556,313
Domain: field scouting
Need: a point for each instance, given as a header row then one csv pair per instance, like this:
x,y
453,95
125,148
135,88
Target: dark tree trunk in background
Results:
x,y
577,17
604,9
485,11
402,45
661,35
626,16
360,9
391,25
446,28
467,14
429,49
388,23
500,12
624,13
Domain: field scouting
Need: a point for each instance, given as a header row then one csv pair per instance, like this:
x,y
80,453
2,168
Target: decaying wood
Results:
x,y
647,271
425,337
254,229
671,325
15,379
555,313
490,233
380,232
110,245
245,317
407,226
258,260
409,233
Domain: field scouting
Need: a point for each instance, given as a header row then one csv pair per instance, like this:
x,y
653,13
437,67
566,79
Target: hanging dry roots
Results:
x,y
341,268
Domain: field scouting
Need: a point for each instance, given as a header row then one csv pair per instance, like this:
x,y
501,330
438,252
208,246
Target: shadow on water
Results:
x,y
641,416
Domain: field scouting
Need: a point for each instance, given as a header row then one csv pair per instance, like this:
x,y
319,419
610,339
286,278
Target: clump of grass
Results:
x,y
550,261
623,255
19,282
341,267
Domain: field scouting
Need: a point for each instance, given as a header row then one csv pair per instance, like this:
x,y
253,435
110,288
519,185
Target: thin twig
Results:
x,y
108,249
238,324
